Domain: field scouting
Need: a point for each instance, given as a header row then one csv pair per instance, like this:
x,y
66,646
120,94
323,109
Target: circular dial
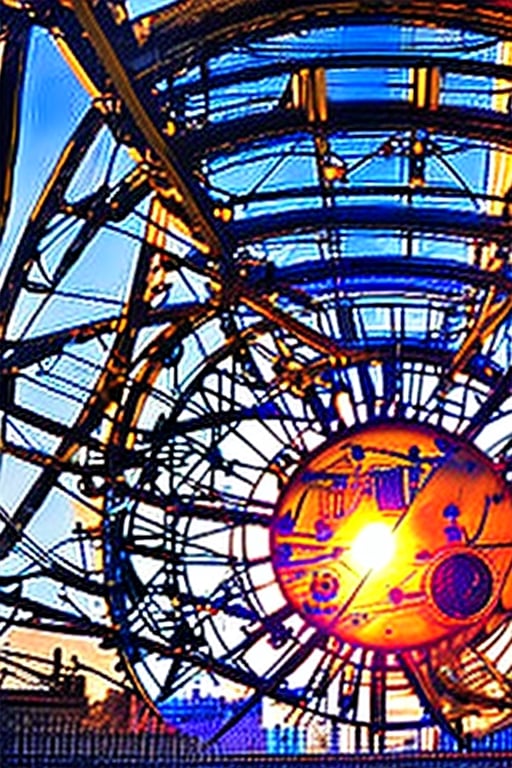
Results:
x,y
385,538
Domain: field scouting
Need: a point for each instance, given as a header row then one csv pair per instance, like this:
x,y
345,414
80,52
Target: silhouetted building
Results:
x,y
58,703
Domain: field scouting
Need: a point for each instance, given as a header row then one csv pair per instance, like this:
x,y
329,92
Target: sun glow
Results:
x,y
374,547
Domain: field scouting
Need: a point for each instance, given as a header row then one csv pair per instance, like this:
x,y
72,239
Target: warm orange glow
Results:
x,y
335,173
223,213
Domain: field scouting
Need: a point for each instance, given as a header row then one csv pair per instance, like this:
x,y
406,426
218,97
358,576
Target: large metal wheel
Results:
x,y
266,238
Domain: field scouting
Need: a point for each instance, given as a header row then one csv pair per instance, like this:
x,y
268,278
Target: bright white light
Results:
x,y
373,547
344,408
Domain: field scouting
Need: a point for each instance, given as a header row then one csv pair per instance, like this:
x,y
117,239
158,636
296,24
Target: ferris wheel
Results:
x,y
256,337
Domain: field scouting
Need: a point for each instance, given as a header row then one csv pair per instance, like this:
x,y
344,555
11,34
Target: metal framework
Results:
x,y
268,228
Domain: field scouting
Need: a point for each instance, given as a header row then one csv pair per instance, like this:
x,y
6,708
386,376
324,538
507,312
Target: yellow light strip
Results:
x,y
500,163
157,224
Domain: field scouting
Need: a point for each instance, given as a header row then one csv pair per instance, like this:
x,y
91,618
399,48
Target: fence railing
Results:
x,y
96,749
69,745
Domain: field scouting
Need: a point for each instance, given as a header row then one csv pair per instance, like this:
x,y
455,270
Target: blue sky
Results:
x,y
53,101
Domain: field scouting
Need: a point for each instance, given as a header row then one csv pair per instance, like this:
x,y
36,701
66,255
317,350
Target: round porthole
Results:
x,y
462,585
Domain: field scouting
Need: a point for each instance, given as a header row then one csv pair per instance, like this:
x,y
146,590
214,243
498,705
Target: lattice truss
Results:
x,y
267,232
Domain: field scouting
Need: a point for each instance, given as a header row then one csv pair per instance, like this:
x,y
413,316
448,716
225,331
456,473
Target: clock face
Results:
x,y
393,537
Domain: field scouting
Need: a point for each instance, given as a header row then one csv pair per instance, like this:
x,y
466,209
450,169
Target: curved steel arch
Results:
x,y
344,117
393,217
187,27
339,61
